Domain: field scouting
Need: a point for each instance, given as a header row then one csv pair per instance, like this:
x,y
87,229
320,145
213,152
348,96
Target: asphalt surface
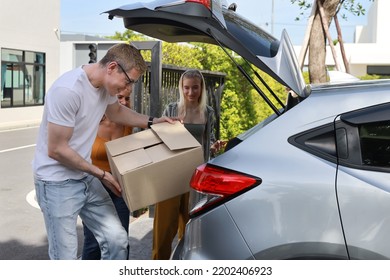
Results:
x,y
22,230
141,237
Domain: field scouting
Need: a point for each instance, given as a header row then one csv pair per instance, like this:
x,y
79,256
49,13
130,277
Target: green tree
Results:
x,y
182,55
128,36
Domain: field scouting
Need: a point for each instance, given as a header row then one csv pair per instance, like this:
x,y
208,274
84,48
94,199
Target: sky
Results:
x,y
85,17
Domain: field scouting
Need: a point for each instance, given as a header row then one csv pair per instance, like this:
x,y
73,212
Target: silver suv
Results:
x,y
310,182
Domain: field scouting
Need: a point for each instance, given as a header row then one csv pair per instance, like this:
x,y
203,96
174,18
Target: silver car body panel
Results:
x,y
285,64
224,241
364,198
297,215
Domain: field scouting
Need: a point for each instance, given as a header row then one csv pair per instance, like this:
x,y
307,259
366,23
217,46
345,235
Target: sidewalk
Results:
x,y
141,237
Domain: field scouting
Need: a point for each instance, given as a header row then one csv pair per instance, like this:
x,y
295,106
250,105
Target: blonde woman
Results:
x,y
171,215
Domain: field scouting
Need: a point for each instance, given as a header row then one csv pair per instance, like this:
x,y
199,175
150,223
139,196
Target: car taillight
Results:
x,y
206,3
214,185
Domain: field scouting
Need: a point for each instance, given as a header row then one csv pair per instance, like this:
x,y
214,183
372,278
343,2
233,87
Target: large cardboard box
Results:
x,y
154,164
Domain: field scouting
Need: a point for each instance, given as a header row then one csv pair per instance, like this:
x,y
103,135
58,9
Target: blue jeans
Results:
x,y
62,202
91,249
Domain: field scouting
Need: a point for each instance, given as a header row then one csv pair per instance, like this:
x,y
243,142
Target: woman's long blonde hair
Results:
x,y
193,74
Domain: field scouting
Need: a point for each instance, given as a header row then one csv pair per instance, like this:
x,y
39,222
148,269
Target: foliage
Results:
x,y
177,54
354,7
373,77
182,55
128,36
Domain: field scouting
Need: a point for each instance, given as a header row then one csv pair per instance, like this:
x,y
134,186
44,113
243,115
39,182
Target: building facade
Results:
x,y
30,52
369,54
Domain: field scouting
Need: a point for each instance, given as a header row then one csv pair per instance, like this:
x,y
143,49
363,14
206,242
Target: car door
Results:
x,y
363,180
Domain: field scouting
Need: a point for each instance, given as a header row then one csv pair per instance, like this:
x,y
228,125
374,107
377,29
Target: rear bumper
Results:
x,y
212,236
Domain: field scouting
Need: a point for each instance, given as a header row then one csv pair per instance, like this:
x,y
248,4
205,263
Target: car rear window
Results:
x,y
254,38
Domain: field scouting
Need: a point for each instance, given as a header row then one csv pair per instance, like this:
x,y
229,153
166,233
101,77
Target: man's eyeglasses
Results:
x,y
129,81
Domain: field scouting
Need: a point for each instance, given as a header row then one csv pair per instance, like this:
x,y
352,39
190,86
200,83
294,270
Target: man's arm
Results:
x,y
126,116
59,150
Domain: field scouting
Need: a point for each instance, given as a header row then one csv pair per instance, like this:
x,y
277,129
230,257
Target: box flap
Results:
x,y
175,136
160,152
132,142
130,161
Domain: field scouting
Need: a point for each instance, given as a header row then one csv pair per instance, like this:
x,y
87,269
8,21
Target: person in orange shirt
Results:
x,y
107,131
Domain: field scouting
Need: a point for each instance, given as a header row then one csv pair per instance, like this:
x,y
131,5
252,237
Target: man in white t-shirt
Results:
x,y
66,183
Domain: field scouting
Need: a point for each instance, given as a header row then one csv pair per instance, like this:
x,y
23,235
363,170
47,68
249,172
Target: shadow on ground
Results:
x,y
17,250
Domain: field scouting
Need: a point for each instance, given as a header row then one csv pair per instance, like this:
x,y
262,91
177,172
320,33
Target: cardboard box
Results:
x,y
155,164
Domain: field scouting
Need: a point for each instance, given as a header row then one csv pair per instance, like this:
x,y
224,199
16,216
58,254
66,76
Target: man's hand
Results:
x,y
112,184
165,119
217,146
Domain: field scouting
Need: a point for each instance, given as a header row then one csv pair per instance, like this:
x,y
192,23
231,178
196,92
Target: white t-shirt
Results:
x,y
72,101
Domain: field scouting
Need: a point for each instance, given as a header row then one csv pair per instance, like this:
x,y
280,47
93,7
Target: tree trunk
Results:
x,y
317,45
340,39
317,71
306,40
325,26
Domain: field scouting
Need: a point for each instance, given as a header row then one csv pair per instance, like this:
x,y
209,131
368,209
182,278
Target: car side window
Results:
x,y
375,143
358,139
363,138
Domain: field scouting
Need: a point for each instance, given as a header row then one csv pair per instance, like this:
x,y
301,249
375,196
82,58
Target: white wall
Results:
x,y
367,33
67,56
32,26
383,22
378,23
75,53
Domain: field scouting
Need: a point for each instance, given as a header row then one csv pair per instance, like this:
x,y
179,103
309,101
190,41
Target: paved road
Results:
x,y
22,230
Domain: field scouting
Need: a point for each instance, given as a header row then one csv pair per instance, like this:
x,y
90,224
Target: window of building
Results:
x,y
378,70
22,78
